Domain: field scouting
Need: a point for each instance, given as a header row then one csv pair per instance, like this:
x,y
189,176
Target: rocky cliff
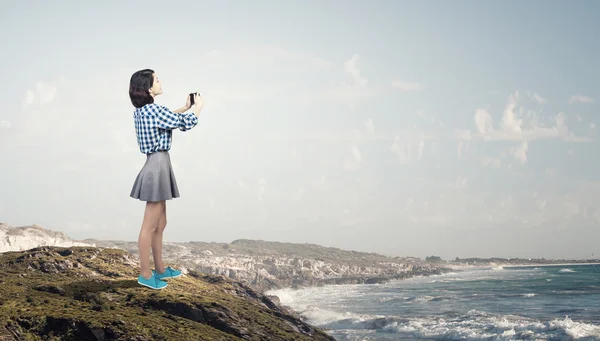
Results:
x,y
90,293
27,237
268,265
264,265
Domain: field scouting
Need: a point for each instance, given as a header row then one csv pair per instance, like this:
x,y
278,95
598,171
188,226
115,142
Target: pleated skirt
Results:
x,y
156,180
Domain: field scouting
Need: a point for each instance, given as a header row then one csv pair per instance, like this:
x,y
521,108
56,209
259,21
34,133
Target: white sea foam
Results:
x,y
564,271
335,319
576,330
329,307
473,326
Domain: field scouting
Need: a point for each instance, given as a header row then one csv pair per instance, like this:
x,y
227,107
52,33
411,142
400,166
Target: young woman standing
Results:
x,y
155,183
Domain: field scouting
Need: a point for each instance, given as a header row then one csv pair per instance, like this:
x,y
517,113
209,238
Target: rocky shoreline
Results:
x,y
265,265
259,265
90,293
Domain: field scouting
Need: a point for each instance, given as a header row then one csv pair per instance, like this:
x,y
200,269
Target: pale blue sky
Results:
x,y
408,128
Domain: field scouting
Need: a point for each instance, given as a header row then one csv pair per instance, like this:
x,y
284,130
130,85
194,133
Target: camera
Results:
x,y
192,97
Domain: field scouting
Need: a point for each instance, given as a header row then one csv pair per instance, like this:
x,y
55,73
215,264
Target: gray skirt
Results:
x,y
156,180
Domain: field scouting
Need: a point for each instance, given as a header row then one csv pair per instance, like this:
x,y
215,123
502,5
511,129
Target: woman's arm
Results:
x,y
199,104
167,119
181,110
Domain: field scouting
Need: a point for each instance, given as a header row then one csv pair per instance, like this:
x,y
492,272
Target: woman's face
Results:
x,y
156,88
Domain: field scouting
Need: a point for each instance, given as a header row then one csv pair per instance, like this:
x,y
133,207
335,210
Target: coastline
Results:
x,y
510,265
546,264
482,311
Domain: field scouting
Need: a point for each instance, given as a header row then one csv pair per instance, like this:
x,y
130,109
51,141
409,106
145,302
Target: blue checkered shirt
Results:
x,y
154,126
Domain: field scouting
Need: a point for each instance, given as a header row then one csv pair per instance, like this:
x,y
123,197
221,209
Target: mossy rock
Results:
x,y
89,293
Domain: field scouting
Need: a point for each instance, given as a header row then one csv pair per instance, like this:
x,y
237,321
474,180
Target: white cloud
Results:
x,y
483,121
429,118
407,86
46,92
592,125
408,149
5,124
462,147
355,162
43,92
514,127
464,134
491,161
356,153
520,153
510,123
580,99
460,183
29,98
420,148
534,96
348,93
351,67
539,99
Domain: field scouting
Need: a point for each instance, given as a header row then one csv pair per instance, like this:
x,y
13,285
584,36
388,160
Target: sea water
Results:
x,y
498,303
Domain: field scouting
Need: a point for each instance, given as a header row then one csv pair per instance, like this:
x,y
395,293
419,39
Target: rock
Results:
x,y
275,299
66,252
197,307
54,289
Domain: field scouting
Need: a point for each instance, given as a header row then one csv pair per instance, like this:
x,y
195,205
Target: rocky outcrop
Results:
x,y
27,237
268,265
96,297
263,265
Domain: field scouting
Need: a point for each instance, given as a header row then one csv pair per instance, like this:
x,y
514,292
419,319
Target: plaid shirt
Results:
x,y
154,126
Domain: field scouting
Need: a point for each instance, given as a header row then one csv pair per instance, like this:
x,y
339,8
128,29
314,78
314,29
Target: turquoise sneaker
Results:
x,y
169,273
153,282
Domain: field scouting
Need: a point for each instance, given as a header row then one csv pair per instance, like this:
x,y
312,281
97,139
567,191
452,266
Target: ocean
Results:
x,y
497,303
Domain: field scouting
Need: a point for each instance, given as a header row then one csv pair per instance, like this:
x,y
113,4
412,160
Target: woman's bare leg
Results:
x,y
152,215
157,238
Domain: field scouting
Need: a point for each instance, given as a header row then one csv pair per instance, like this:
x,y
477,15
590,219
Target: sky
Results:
x,y
406,128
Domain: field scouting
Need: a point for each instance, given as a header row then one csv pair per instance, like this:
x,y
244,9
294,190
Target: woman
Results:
x,y
155,183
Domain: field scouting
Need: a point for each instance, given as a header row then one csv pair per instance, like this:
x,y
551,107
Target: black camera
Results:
x,y
192,97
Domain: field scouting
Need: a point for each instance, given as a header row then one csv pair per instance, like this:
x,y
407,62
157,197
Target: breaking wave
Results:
x,y
475,325
566,271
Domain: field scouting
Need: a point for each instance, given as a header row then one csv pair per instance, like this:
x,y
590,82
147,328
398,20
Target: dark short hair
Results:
x,y
140,83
